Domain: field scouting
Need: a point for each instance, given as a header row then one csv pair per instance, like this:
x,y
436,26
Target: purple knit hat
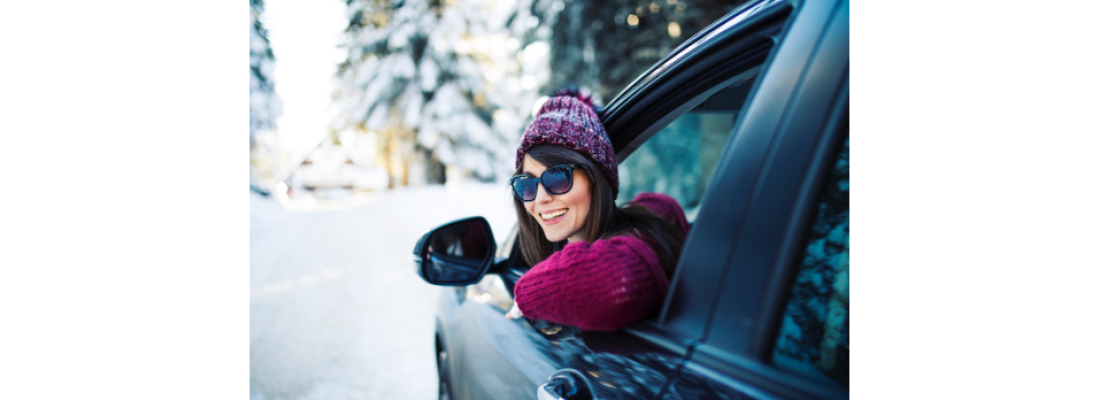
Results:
x,y
569,119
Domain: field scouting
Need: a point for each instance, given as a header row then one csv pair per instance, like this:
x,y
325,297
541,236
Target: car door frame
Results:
x,y
782,151
705,64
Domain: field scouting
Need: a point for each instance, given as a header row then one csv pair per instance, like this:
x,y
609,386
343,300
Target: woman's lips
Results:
x,y
554,216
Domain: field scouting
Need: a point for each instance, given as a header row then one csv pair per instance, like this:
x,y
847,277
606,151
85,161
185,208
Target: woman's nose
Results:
x,y
542,196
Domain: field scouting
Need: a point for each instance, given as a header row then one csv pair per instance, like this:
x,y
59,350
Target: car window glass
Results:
x,y
680,158
813,337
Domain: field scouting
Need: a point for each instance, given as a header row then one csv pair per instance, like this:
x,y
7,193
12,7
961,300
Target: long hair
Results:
x,y
605,220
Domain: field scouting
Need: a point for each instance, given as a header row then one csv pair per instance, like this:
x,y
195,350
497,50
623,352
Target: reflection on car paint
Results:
x,y
618,365
690,385
490,290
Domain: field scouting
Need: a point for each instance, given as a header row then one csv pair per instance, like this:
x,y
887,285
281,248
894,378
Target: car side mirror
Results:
x,y
455,254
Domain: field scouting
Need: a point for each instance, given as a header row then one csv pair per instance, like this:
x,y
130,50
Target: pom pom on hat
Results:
x,y
573,91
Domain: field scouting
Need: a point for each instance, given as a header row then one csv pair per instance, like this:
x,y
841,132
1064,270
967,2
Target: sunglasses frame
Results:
x,y
538,181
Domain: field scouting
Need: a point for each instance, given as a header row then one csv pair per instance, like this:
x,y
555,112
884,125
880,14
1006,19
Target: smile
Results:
x,y
551,216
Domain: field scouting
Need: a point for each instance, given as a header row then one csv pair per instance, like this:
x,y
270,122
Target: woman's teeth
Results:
x,y
555,214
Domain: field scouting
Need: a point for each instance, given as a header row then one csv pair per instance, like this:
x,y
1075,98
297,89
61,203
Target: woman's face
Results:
x,y
547,208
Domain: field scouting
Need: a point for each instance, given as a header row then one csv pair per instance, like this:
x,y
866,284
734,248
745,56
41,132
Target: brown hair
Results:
x,y
605,219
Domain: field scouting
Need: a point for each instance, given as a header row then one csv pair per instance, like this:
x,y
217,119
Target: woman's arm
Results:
x,y
603,286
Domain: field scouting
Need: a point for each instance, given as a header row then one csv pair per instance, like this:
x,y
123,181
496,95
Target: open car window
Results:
x,y
679,160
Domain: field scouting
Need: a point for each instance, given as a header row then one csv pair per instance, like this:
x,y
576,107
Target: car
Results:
x,y
746,125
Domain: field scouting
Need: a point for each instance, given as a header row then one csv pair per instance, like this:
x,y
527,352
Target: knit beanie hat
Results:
x,y
569,119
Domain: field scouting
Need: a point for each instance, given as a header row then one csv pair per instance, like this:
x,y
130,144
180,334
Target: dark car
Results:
x,y
746,126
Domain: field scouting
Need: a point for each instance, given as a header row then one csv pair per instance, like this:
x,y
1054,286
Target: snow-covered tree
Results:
x,y
438,82
264,105
452,83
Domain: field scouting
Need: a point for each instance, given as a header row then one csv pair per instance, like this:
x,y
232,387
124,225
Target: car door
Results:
x,y
780,325
669,130
492,357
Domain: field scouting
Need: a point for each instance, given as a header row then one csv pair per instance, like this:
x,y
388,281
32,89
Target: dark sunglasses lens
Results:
x,y
557,180
525,188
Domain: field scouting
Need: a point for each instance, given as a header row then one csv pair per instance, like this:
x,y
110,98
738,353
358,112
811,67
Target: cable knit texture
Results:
x,y
602,286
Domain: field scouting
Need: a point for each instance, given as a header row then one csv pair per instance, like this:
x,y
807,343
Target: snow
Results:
x,y
337,310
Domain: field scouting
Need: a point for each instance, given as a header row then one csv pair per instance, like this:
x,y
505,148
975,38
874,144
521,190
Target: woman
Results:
x,y
614,264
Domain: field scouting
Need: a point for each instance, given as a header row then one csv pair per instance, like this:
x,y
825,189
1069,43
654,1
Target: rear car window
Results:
x,y
813,337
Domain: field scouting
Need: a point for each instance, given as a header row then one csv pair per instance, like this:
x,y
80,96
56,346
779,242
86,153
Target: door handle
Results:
x,y
566,384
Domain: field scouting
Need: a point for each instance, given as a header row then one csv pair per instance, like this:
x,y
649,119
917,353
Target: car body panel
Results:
x,y
496,358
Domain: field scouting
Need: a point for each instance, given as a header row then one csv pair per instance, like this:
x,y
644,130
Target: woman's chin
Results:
x,y
556,238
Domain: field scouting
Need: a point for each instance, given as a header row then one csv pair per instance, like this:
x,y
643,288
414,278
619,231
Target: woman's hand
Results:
x,y
514,313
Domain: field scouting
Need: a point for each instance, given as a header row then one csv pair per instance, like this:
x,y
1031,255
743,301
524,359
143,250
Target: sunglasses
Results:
x,y
556,180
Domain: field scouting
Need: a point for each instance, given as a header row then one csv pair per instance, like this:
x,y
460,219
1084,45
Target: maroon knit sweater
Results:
x,y
602,286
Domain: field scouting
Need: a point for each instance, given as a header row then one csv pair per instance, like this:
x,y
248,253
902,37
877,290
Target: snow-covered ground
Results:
x,y
337,310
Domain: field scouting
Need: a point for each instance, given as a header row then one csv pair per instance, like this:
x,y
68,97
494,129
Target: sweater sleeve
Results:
x,y
664,206
603,286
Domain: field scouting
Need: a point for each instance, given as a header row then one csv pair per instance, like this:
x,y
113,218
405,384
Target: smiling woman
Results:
x,y
616,262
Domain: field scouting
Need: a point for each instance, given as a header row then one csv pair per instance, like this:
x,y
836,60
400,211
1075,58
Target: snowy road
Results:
x,y
337,310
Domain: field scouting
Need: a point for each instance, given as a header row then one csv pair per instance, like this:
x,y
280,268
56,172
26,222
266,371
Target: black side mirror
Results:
x,y
456,254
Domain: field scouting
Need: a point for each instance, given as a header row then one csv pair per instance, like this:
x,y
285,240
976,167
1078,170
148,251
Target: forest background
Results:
x,y
438,90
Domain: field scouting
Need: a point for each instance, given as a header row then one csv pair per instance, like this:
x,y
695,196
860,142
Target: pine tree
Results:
x,y
264,105
445,82
415,75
